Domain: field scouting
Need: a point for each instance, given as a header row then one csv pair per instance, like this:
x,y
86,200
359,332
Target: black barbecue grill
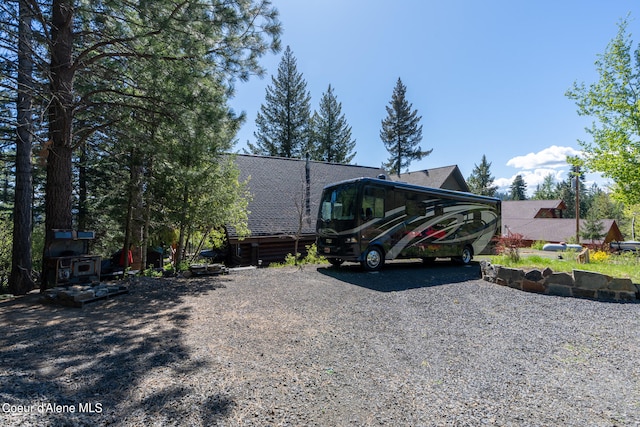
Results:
x,y
66,259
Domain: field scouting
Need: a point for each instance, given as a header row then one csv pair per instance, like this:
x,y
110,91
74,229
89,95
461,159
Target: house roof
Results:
x,y
554,230
528,208
278,187
447,177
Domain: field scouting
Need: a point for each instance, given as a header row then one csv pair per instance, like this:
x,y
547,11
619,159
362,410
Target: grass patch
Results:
x,y
625,265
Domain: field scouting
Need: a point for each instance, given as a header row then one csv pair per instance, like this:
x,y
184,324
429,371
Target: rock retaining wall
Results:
x,y
580,284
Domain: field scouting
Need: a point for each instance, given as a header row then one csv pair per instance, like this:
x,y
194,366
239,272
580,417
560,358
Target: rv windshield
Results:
x,y
339,203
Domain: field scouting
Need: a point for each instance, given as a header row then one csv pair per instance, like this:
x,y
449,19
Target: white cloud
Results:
x,y
532,178
553,157
534,167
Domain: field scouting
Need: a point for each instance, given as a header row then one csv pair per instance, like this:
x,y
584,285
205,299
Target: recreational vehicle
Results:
x,y
371,220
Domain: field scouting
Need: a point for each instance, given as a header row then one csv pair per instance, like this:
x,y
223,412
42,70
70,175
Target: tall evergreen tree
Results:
x,y
518,189
566,191
592,229
20,280
283,121
480,181
545,191
401,132
83,39
331,134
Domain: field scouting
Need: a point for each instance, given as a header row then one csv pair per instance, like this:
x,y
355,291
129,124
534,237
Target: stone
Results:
x,y
488,270
606,294
84,296
65,294
563,279
534,275
533,286
509,276
627,296
547,272
590,280
620,284
584,293
101,291
559,290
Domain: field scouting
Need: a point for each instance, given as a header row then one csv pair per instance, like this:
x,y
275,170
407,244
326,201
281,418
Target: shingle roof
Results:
x,y
277,184
553,230
528,208
447,177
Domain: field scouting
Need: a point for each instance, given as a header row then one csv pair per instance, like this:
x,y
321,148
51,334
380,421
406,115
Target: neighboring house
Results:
x,y
279,210
447,177
282,207
533,209
542,220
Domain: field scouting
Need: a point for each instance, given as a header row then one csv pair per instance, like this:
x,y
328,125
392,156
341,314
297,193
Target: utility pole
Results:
x,y
576,170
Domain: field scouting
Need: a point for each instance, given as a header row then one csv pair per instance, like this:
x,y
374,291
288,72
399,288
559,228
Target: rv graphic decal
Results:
x,y
400,221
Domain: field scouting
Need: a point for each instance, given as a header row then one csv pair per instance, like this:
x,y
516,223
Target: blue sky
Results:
x,y
488,77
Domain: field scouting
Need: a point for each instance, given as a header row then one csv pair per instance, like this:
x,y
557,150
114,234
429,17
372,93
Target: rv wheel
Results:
x,y
373,259
428,260
467,255
336,262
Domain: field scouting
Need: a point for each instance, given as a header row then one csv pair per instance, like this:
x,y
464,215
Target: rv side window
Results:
x,y
372,203
412,206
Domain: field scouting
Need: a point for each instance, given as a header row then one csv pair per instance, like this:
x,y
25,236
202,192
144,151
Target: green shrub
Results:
x,y
151,272
6,242
538,244
312,257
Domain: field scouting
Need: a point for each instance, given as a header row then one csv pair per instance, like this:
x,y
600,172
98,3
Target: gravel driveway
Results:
x,y
407,346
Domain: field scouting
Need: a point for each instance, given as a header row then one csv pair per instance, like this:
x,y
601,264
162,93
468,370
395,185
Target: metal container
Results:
x,y
66,259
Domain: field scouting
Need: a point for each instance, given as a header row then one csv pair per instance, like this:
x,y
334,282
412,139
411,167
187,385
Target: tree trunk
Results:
x,y
83,210
20,279
180,252
58,188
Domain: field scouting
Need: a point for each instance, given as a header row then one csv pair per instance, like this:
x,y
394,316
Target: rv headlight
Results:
x,y
351,240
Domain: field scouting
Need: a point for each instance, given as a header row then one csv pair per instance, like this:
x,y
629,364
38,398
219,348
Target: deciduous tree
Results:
x,y
613,103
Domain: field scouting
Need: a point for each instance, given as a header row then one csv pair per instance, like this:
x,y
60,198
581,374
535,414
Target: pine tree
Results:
x,y
401,132
566,191
518,189
592,229
545,191
480,181
331,133
223,39
283,120
20,280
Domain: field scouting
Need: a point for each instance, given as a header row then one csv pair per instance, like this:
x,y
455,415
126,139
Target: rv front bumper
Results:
x,y
338,247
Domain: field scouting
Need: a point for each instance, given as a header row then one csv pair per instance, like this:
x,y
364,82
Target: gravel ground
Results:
x,y
410,345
